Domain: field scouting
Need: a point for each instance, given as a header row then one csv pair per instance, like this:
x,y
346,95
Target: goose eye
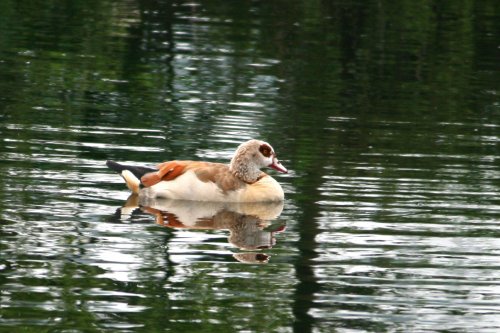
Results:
x,y
265,150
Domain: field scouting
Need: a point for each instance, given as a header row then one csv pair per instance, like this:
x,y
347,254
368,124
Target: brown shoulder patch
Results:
x,y
150,179
167,171
172,172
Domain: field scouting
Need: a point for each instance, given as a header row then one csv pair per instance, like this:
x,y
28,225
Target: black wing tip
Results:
x,y
114,166
138,171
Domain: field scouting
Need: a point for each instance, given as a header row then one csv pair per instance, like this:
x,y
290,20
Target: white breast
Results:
x,y
266,189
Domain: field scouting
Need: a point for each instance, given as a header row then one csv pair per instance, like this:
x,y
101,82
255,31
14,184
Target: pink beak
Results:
x,y
276,165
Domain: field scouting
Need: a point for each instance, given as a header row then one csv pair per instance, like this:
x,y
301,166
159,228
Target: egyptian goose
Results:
x,y
239,181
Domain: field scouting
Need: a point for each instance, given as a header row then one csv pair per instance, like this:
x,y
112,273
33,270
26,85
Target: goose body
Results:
x,y
239,181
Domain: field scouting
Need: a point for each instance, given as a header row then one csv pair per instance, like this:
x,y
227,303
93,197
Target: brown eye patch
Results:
x,y
265,150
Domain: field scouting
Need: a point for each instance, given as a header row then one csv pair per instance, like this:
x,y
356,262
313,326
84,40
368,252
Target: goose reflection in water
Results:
x,y
250,225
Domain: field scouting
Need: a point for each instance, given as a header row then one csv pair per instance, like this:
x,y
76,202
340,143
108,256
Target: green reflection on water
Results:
x,y
387,114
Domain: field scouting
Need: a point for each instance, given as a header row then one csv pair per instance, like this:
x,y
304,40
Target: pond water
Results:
x,y
386,114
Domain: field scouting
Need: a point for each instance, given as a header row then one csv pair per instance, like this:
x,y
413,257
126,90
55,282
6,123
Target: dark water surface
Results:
x,y
385,113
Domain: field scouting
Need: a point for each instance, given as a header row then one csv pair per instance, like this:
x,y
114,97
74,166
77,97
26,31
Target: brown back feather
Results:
x,y
216,173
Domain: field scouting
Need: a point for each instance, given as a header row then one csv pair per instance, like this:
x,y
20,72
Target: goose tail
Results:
x,y
131,174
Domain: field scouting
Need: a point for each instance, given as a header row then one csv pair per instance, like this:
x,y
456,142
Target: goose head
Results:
x,y
250,157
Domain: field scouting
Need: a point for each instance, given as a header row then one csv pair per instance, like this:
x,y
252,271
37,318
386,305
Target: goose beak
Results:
x,y
276,165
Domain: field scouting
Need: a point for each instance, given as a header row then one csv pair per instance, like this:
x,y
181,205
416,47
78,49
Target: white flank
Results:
x,y
189,187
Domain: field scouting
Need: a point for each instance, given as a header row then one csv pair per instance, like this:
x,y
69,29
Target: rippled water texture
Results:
x,y
385,113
